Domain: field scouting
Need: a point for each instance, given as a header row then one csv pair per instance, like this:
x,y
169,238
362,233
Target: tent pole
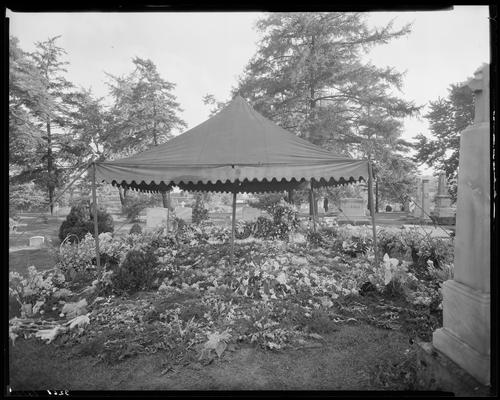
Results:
x,y
372,209
96,225
313,201
233,223
168,210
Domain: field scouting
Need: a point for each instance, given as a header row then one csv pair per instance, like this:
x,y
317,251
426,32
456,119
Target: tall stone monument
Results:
x,y
443,212
423,201
465,336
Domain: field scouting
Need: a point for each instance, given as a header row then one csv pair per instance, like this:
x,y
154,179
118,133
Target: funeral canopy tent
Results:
x,y
236,150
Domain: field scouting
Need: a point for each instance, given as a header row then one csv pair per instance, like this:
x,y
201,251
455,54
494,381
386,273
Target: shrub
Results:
x,y
314,239
137,272
75,259
285,219
266,201
80,221
179,224
390,243
135,229
243,230
264,228
200,213
439,251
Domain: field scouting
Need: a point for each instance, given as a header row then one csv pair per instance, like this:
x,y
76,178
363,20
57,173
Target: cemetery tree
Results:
x,y
26,145
51,110
308,76
89,126
145,112
396,177
447,119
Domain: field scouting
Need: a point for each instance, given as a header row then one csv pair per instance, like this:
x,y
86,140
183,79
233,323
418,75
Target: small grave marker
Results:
x,y
37,241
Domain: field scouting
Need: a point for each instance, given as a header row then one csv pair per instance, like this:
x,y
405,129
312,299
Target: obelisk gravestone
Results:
x,y
465,336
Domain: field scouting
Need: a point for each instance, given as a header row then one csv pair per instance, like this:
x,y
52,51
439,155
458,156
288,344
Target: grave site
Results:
x,y
240,255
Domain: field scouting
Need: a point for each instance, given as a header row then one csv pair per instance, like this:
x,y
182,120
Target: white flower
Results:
x,y
281,278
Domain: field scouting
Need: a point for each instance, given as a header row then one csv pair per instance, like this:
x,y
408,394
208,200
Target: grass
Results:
x,y
349,359
36,225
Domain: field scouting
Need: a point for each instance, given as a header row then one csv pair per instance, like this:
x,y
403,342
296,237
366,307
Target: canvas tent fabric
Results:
x,y
236,150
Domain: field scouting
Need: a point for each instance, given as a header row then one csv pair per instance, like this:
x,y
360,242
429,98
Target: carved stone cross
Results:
x,y
480,85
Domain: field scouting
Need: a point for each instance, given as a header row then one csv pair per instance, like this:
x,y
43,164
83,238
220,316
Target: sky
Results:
x,y
204,53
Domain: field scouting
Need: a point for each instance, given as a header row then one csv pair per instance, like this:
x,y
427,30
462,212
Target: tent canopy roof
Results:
x,y
236,149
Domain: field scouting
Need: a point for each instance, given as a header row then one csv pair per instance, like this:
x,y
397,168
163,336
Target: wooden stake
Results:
x,y
96,225
313,202
372,209
233,227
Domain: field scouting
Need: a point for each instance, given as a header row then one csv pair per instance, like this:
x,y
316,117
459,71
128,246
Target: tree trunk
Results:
x,y
376,195
50,167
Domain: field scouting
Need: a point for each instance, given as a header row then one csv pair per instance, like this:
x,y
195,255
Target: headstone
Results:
x,y
465,335
184,213
422,202
37,241
443,212
250,213
426,204
62,211
352,210
156,217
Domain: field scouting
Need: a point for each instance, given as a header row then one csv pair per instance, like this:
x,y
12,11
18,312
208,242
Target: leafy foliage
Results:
x,y
145,111
33,291
276,295
133,205
135,229
137,272
200,212
266,201
80,221
26,197
447,118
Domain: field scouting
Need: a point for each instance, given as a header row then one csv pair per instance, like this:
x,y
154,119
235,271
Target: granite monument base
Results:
x,y
436,371
465,336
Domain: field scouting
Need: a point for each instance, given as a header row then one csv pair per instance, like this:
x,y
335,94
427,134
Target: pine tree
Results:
x,y
51,110
308,75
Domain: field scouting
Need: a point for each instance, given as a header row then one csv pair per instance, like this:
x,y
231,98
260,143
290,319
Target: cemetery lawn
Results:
x,y
21,255
354,357
36,225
